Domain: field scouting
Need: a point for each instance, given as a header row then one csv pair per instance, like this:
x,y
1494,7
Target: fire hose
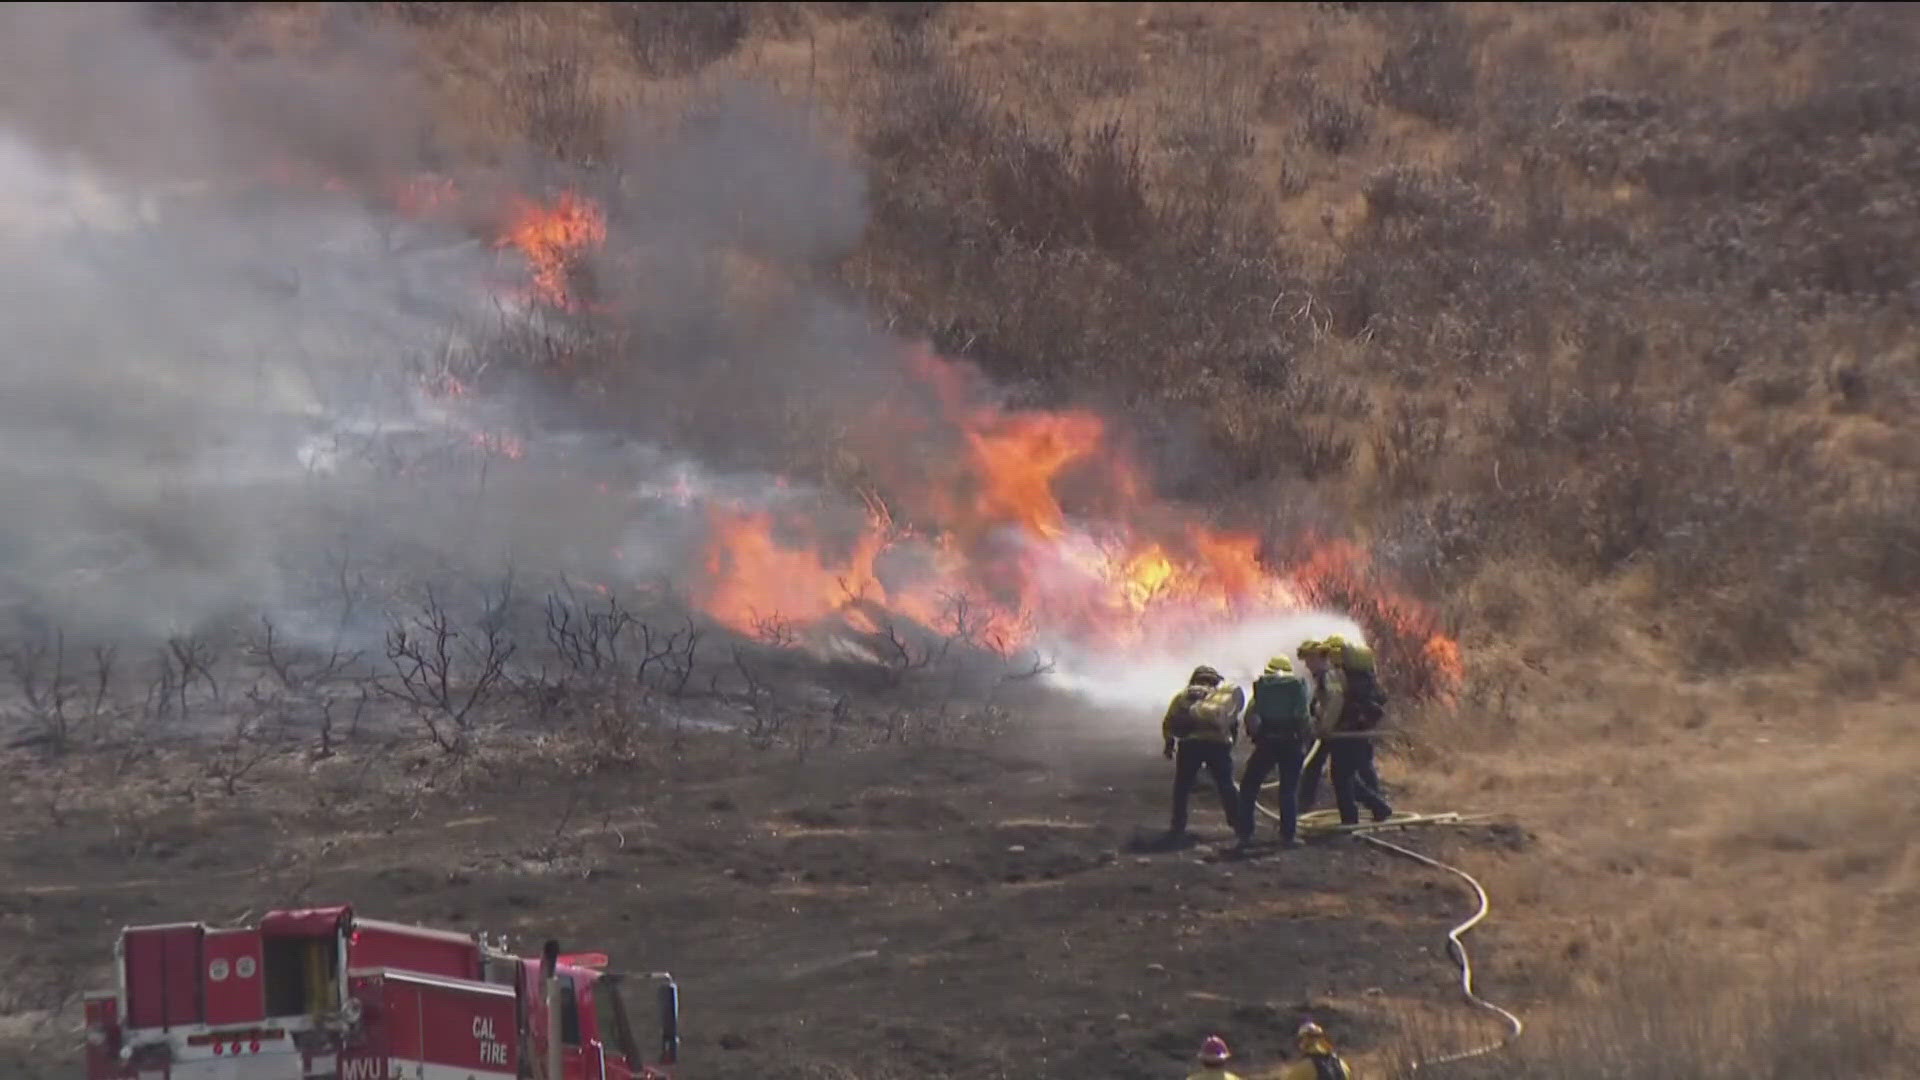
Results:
x,y
1316,821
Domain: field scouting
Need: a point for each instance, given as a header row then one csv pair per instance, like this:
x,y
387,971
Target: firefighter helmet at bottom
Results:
x,y
1311,1038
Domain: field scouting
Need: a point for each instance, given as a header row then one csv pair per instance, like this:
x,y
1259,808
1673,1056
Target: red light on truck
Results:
x,y
230,1042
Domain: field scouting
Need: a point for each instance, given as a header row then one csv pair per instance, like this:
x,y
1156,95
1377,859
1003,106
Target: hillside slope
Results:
x,y
1592,325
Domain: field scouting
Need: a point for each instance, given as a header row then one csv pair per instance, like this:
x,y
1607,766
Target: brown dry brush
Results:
x,y
1678,1024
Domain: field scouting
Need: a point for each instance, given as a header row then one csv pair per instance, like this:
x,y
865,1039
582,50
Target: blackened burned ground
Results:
x,y
927,912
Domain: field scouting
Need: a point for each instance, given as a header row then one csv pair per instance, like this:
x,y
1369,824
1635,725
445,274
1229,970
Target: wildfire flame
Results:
x,y
992,553
983,545
552,236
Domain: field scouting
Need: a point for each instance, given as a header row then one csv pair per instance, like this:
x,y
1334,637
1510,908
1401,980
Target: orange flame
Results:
x,y
995,553
755,577
552,237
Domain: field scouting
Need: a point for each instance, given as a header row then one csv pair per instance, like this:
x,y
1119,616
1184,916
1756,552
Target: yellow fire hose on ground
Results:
x,y
1326,822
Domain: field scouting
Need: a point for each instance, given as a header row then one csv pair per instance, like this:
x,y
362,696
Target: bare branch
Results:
x,y
673,658
900,656
193,659
327,705
1039,666
776,631
427,653
588,640
755,689
266,649
38,670
162,691
248,745
104,658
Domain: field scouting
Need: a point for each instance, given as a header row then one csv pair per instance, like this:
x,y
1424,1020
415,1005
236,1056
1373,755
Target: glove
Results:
x,y
1169,750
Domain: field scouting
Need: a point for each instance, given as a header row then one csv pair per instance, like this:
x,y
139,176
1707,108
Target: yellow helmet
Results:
x,y
1311,1038
1312,648
1279,665
1335,643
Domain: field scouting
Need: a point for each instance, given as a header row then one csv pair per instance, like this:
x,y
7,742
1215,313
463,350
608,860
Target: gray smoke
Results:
x,y
212,391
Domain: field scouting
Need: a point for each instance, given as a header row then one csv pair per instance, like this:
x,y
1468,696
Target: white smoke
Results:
x,y
1129,682
214,385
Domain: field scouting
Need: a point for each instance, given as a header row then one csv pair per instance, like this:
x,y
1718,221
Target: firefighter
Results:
x,y
1199,730
1364,702
1326,661
1324,681
1317,1059
1348,734
1214,1056
1279,723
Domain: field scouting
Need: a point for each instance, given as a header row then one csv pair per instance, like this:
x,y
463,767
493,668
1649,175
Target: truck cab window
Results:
x,y
610,1017
569,1012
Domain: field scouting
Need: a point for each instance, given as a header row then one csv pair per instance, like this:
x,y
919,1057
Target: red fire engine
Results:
x,y
321,994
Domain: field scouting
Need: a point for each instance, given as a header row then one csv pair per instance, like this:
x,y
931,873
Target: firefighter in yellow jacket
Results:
x,y
1317,1059
1199,731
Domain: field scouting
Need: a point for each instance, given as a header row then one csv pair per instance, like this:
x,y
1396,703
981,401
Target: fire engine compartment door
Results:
x,y
236,991
163,975
441,1028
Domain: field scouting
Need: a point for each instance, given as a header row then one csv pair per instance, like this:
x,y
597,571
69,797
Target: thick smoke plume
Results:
x,y
217,385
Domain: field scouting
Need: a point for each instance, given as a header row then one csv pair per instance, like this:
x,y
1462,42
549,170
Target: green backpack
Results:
x,y
1280,709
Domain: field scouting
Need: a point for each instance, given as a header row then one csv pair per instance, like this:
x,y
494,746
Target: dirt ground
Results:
x,y
939,910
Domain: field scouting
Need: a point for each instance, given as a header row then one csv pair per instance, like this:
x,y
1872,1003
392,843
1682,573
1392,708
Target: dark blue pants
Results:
x,y
1353,759
1217,758
1288,758
1310,775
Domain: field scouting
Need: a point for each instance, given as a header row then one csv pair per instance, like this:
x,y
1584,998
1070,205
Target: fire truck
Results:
x,y
323,994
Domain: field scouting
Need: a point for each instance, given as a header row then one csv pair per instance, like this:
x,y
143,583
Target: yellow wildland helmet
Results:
x,y
1279,665
1311,1038
1205,675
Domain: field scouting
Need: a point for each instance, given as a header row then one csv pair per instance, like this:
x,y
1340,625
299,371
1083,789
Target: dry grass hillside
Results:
x,y
1600,308
1595,323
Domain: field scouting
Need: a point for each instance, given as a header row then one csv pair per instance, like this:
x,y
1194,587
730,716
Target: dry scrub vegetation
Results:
x,y
1595,322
